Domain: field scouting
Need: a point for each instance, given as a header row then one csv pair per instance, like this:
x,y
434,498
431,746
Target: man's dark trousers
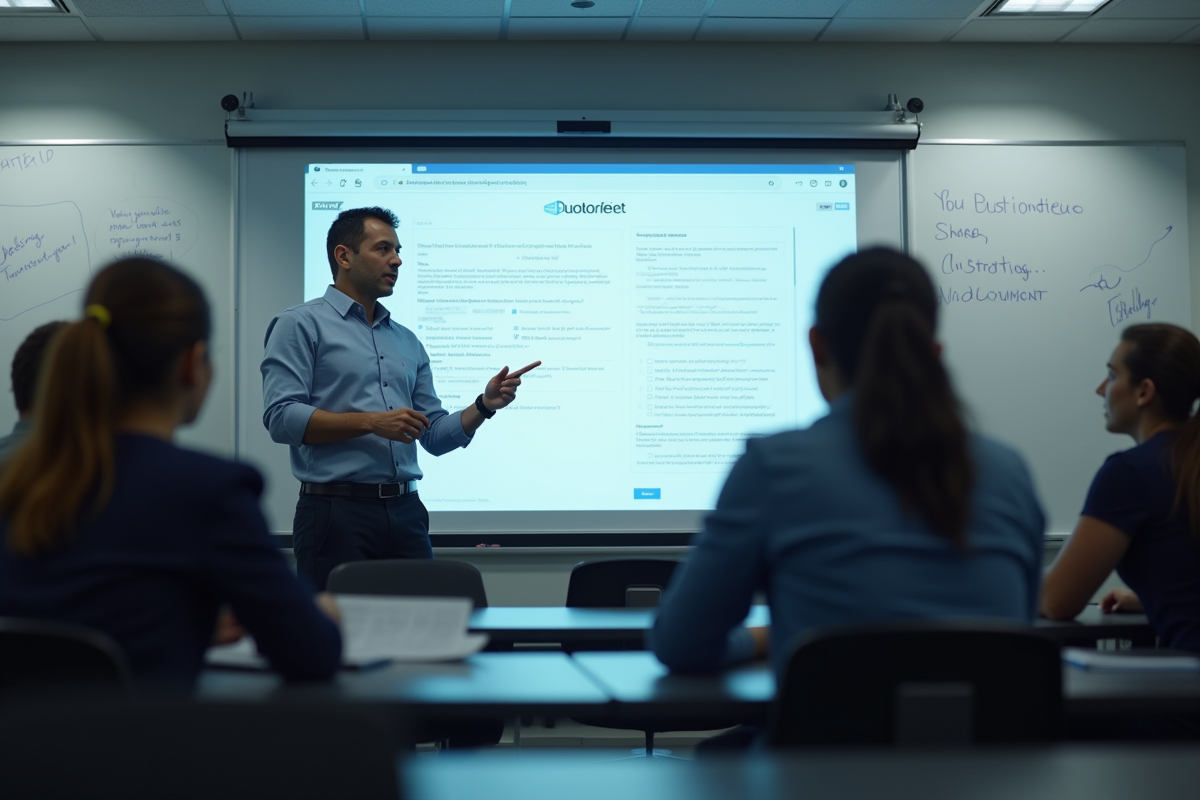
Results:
x,y
328,531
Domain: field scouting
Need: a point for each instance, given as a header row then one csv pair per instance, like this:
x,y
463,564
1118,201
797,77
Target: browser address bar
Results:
x,y
589,183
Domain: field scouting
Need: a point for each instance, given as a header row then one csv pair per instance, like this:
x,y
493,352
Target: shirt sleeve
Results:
x,y
699,624
1117,496
445,431
288,365
300,641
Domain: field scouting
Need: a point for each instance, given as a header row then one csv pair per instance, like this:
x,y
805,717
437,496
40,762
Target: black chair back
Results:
x,y
181,750
39,658
619,583
415,577
920,683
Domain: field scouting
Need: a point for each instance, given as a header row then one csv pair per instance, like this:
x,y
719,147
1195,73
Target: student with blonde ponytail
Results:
x,y
104,522
887,508
1142,512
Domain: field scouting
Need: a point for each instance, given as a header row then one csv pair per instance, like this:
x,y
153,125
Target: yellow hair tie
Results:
x,y
99,313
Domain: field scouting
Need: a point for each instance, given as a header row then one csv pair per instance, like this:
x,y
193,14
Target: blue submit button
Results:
x,y
647,494
841,206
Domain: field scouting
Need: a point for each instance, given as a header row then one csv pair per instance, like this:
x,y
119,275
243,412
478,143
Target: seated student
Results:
x,y
1142,512
885,509
26,366
106,523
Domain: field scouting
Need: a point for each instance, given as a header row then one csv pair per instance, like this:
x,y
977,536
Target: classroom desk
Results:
x,y
641,686
1094,625
584,626
486,684
1163,772
573,626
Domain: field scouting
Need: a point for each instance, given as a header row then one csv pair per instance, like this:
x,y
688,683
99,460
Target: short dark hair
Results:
x,y
350,229
27,363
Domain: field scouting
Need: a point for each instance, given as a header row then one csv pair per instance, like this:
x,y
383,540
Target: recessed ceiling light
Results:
x,y
1072,7
30,5
582,4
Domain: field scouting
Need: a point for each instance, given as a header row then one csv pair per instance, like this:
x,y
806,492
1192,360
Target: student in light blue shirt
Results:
x,y
350,391
885,509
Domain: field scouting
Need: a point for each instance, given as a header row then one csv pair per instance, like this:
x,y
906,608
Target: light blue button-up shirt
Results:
x,y
323,354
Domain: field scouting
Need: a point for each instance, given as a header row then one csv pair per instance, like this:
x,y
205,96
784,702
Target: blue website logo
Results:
x,y
555,208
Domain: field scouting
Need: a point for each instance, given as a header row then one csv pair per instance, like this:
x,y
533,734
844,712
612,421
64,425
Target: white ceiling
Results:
x,y
1127,21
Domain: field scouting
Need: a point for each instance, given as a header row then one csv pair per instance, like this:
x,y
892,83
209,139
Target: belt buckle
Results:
x,y
383,496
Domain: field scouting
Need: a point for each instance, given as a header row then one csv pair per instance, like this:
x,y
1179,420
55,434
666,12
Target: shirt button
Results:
x,y
385,383
381,358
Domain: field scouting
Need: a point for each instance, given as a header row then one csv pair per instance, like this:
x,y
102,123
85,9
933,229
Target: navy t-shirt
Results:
x,y
181,534
1135,492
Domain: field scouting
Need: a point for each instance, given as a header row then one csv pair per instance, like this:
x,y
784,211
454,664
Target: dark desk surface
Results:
x,y
1093,625
501,684
637,680
1096,773
543,624
534,624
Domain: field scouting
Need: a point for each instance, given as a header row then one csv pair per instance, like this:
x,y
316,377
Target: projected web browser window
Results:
x,y
670,305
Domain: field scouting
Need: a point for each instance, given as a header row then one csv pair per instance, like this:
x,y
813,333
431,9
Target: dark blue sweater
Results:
x,y
182,534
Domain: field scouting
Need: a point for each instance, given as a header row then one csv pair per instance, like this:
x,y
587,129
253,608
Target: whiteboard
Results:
x,y
1041,254
66,210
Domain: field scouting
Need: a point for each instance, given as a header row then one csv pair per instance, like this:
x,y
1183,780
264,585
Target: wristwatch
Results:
x,y
483,409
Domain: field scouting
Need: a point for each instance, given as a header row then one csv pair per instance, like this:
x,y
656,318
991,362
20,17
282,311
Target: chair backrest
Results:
x,y
409,576
920,683
38,658
196,750
619,582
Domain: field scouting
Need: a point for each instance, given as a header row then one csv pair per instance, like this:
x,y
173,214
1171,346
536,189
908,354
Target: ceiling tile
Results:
x,y
163,29
297,28
1141,31
1150,9
783,9
559,28
760,29
889,30
294,8
434,8
673,8
663,29
141,8
1016,30
927,9
563,8
434,28
44,29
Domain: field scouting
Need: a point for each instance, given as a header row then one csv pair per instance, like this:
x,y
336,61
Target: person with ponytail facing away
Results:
x,y
1142,512
106,523
885,509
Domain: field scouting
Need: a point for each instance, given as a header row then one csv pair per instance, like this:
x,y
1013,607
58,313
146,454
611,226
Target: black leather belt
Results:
x,y
377,490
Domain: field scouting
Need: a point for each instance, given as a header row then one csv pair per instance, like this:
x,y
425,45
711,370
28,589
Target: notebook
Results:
x,y
382,629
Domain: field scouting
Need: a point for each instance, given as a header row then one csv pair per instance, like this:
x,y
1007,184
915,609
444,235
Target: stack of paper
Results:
x,y
1146,661
377,629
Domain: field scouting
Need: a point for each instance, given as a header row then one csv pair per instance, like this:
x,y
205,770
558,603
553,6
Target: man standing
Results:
x,y
26,367
350,391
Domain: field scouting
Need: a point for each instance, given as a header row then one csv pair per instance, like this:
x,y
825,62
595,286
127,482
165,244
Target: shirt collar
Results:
x,y
23,426
344,304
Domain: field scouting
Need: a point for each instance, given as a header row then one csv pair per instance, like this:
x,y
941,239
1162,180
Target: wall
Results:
x,y
171,91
